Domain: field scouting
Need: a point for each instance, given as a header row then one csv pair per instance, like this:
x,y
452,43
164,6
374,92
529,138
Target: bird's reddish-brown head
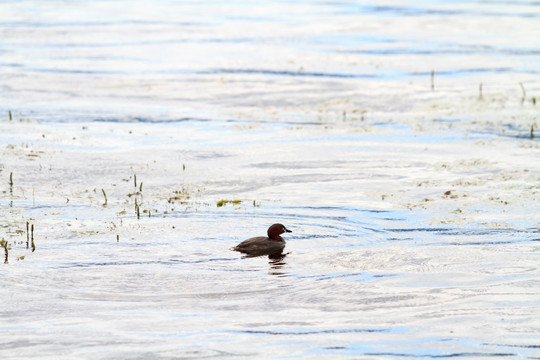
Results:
x,y
275,230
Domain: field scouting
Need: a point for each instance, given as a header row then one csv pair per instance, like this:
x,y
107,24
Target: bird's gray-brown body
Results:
x,y
260,245
264,245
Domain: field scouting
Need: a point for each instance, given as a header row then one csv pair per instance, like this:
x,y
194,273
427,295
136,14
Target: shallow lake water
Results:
x,y
140,141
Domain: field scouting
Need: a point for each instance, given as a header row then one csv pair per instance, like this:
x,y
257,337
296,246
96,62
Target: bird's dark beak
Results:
x,y
286,230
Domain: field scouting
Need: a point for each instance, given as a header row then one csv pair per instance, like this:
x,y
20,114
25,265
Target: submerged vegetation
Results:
x,y
180,196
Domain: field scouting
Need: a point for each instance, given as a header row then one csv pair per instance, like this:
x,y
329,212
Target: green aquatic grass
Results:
x,y
5,245
480,95
221,203
32,237
105,196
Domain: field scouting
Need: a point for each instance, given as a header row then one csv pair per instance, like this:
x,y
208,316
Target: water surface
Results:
x,y
413,204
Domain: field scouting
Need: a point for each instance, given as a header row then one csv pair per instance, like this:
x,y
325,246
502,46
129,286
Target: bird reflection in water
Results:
x,y
277,262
